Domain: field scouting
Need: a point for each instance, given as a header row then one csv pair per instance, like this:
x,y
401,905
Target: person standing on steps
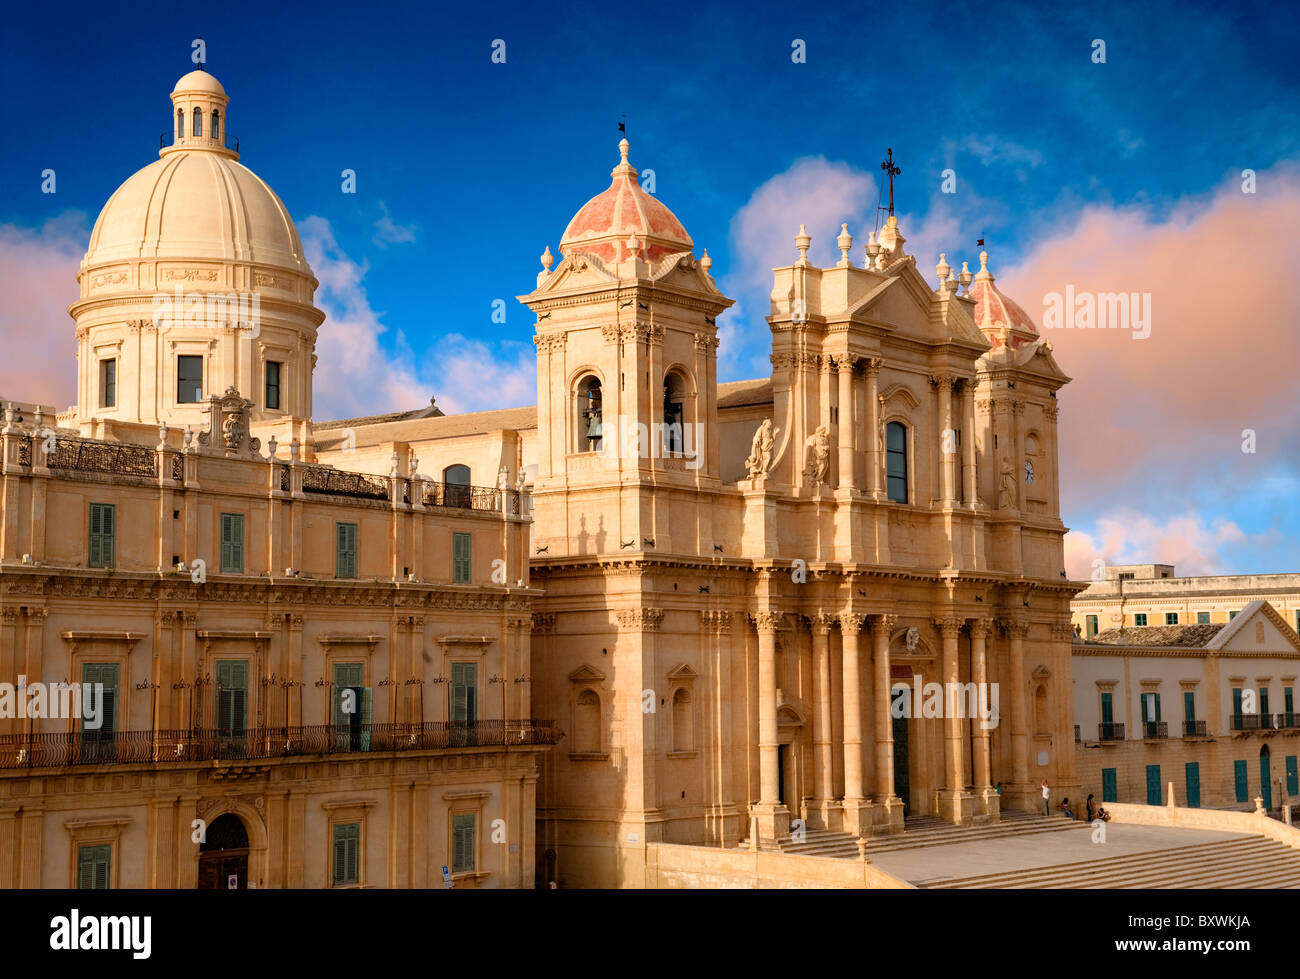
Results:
x,y
1047,795
1092,810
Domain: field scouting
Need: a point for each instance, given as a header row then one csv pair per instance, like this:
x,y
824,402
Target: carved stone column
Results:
x,y
882,627
986,796
1016,629
971,492
874,448
770,818
947,438
955,803
847,424
856,819
825,763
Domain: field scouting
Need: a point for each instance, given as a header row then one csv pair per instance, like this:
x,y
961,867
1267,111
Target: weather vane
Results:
x,y
622,127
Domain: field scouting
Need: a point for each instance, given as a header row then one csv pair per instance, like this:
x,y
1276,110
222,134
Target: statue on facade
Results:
x,y
228,427
1007,486
760,451
503,479
817,456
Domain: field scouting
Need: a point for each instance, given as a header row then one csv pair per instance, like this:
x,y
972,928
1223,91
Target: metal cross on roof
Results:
x,y
893,171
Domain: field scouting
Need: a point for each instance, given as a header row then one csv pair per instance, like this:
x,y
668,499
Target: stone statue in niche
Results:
x,y
1007,493
912,639
817,456
760,452
227,432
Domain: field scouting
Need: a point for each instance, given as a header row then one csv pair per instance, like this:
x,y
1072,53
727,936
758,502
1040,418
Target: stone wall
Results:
x,y
671,866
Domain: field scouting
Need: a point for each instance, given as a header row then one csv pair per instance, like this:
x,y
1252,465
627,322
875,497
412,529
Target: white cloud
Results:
x,y
388,232
1191,542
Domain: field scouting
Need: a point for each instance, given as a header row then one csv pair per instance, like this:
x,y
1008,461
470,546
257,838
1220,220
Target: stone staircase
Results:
x,y
1238,862
924,831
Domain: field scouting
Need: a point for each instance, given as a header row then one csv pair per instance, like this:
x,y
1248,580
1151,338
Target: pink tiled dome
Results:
x,y
995,311
603,226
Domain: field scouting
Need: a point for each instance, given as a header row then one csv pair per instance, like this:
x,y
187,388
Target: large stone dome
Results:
x,y
196,204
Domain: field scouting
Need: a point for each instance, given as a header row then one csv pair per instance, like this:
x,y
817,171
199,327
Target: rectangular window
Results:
x,y
1189,713
232,543
464,692
1236,709
1292,788
462,842
103,535
1109,791
1140,618
189,379
347,854
460,558
352,708
232,697
345,562
273,384
1092,626
99,744
1171,618
1288,705
1239,778
1202,618
1263,701
93,865
108,383
896,462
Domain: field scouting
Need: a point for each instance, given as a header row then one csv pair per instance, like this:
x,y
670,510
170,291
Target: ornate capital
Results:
x,y
543,621
979,628
782,362
1063,632
1016,628
948,626
845,365
715,620
886,622
768,621
821,622
639,619
942,381
37,616
851,623
8,616
872,367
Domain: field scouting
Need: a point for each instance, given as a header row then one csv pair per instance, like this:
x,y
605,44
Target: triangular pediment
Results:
x,y
586,674
683,671
1257,628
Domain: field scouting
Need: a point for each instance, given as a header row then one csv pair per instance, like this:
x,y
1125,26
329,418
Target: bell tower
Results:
x,y
626,378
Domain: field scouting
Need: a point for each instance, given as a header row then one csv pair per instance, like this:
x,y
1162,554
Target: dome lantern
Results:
x,y
199,115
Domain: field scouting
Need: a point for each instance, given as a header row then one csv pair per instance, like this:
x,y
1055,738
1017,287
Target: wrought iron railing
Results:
x,y
1110,732
19,751
1155,729
337,482
466,497
1193,729
90,455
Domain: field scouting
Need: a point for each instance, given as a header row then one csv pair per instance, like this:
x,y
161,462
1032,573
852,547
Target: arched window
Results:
x,y
683,721
586,727
896,461
198,122
456,480
589,421
216,124
180,123
674,412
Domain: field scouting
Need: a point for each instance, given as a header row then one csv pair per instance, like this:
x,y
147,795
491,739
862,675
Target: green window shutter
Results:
x,y
1239,775
93,864
347,853
1109,791
462,832
460,559
347,676
1263,701
346,547
1292,784
1153,785
106,674
464,692
1236,708
1202,618
103,535
232,543
1107,709
1189,705
1193,776
232,695
1157,699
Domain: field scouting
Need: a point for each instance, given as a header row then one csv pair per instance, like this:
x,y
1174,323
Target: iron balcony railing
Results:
x,y
1155,729
19,751
92,456
1193,729
1110,732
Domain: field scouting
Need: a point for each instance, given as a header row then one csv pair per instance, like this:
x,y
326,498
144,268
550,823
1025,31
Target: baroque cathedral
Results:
x,y
652,610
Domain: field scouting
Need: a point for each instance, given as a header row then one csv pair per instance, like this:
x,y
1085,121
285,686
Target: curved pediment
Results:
x,y
903,393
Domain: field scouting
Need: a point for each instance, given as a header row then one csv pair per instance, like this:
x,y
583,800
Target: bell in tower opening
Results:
x,y
590,397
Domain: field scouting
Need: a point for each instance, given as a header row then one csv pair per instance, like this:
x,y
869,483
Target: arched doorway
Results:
x,y
1265,778
223,855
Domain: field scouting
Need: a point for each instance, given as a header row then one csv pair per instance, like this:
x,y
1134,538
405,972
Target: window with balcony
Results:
x,y
464,693
352,708
1238,718
456,479
232,702
99,744
1151,724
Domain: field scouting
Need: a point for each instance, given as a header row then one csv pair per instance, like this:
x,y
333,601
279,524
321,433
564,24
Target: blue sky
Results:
x,y
467,169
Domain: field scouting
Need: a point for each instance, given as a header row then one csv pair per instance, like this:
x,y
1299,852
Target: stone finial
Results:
x,y
271,446
393,467
984,275
294,448
38,418
162,435
189,439
802,241
547,259
706,263
623,147
634,246
965,279
9,415
943,268
845,242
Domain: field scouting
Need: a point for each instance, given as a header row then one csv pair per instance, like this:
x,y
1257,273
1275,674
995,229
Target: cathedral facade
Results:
x,y
731,602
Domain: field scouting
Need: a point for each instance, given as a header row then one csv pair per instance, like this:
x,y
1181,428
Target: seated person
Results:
x,y
1065,808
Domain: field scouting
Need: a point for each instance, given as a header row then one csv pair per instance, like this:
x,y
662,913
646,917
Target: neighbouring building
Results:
x,y
1208,707
1151,595
307,676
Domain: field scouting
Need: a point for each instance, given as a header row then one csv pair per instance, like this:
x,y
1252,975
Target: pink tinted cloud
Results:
x,y
38,279
1163,417
1190,541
